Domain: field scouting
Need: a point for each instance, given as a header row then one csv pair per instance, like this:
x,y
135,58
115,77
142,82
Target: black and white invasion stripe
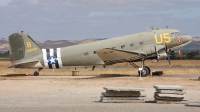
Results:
x,y
47,53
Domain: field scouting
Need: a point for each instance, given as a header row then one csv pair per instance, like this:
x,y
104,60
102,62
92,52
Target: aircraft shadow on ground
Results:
x,y
113,75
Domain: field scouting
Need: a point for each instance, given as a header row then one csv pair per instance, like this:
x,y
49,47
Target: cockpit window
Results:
x,y
178,33
175,34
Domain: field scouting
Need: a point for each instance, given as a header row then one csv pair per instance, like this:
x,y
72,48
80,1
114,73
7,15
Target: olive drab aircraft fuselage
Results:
x,y
154,45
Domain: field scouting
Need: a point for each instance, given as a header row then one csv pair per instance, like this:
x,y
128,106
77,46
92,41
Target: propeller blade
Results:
x,y
156,51
165,45
169,60
166,50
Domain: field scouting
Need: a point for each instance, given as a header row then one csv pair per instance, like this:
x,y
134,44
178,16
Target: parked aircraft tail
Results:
x,y
23,49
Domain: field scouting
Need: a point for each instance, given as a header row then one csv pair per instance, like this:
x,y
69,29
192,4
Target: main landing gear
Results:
x,y
36,73
145,70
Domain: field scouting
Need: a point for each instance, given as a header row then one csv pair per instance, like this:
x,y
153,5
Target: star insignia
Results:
x,y
52,60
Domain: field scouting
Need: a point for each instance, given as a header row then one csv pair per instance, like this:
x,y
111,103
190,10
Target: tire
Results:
x,y
36,73
149,70
146,71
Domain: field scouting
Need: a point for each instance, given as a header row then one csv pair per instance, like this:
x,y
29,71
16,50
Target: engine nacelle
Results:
x,y
159,56
162,56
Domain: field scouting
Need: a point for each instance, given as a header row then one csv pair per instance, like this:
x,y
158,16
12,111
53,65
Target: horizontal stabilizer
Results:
x,y
27,65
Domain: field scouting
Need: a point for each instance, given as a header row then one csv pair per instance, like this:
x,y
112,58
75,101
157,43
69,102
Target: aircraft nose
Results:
x,y
185,38
189,38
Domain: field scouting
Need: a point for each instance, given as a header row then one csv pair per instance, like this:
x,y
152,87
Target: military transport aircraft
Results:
x,y
153,44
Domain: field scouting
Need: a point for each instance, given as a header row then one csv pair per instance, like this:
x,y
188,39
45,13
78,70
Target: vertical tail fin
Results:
x,y
22,46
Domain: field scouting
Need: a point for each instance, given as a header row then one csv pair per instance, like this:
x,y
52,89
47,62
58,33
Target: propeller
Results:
x,y
166,51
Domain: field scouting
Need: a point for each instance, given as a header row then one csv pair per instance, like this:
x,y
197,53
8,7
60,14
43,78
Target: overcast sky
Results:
x,y
82,19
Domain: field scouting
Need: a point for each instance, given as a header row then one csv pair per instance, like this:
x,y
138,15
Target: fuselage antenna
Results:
x,y
152,27
148,29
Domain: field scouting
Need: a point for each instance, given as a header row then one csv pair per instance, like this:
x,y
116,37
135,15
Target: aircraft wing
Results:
x,y
112,56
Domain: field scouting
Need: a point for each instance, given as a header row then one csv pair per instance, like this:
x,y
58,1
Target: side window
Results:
x,y
132,45
86,53
141,43
172,34
123,46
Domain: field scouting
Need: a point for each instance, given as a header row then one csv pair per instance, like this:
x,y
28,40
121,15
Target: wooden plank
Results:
x,y
168,87
170,102
124,89
180,92
169,98
122,98
169,95
122,101
122,94
193,104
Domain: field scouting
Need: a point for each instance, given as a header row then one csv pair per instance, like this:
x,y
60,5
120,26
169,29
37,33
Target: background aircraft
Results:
x,y
154,45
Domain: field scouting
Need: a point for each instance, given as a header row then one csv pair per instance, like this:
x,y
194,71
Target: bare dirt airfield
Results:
x,y
56,90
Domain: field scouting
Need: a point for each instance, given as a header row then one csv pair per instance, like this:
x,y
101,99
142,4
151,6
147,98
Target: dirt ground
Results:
x,y
82,93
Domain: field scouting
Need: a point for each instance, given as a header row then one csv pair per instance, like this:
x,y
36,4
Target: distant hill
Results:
x,y
4,44
196,39
55,44
193,46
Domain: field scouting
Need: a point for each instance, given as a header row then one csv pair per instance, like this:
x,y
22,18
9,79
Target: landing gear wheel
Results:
x,y
149,70
36,73
145,71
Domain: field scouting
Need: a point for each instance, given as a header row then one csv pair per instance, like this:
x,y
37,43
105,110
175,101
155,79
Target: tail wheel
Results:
x,y
36,73
144,72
